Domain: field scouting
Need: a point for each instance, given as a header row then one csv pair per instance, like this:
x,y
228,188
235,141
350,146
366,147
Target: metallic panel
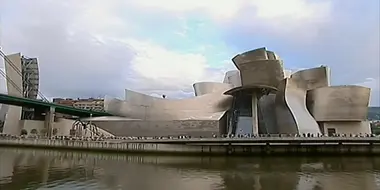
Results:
x,y
3,111
267,113
14,85
272,55
232,77
259,67
314,77
14,88
253,55
202,88
339,103
140,106
261,72
292,114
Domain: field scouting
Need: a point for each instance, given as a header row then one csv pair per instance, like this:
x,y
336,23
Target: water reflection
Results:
x,y
38,169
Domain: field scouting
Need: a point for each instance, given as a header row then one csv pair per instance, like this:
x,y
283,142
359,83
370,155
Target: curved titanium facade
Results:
x,y
292,114
267,114
260,71
206,107
339,103
233,78
259,68
15,88
254,55
313,78
202,88
258,100
150,116
292,111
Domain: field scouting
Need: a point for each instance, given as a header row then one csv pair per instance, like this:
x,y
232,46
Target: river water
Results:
x,y
43,169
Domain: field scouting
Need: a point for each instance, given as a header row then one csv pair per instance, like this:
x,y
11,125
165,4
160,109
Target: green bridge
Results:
x,y
38,104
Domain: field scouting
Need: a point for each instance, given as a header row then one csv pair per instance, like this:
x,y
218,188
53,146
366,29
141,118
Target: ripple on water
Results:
x,y
34,169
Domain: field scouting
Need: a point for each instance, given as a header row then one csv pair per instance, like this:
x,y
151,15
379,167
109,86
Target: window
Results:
x,y
331,131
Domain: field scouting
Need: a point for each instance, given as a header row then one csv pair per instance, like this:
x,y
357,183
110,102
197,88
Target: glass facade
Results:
x,y
240,120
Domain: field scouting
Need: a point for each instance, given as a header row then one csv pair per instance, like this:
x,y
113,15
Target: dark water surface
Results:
x,y
39,169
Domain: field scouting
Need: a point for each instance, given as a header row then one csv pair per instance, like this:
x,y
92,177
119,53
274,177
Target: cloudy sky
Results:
x,y
100,47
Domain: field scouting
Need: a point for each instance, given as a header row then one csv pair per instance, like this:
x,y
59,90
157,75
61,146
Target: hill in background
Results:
x,y
374,113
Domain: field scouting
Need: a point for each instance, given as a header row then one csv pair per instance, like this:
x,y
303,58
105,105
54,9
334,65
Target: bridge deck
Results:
x,y
31,103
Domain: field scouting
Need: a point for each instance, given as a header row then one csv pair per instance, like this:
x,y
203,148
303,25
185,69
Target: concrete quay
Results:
x,y
214,146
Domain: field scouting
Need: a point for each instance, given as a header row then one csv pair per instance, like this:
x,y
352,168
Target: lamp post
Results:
x,y
90,123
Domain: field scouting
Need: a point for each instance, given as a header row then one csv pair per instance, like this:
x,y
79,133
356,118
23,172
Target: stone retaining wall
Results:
x,y
198,148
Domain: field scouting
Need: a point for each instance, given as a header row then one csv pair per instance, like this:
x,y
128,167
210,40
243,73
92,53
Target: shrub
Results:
x,y
34,132
24,132
55,131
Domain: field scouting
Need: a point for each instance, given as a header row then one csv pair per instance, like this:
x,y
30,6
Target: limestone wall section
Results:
x,y
152,128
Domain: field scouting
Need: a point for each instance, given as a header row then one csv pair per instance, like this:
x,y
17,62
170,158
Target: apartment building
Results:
x,y
87,104
90,104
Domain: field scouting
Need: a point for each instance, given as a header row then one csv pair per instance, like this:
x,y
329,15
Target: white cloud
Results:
x,y
287,73
168,68
301,18
371,83
293,9
222,9
264,9
99,17
86,40
298,21
93,36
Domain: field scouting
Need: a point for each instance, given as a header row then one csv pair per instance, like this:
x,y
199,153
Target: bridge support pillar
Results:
x,y
49,121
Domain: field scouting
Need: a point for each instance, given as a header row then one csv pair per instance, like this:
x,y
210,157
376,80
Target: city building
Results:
x,y
30,77
94,104
22,81
87,104
64,101
25,83
257,98
90,104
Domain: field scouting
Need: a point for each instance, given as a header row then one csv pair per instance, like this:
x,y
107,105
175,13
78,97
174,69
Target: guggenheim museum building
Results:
x,y
257,98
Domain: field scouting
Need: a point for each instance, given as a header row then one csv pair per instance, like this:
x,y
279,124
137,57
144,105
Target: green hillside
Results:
x,y
374,113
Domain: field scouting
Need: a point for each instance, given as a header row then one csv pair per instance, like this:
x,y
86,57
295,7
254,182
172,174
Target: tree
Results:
x,y
24,132
55,131
43,131
34,132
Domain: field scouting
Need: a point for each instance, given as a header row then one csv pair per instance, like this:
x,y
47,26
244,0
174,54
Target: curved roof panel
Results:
x,y
339,103
209,106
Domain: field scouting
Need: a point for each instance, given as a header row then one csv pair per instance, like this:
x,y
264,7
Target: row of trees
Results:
x,y
42,132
